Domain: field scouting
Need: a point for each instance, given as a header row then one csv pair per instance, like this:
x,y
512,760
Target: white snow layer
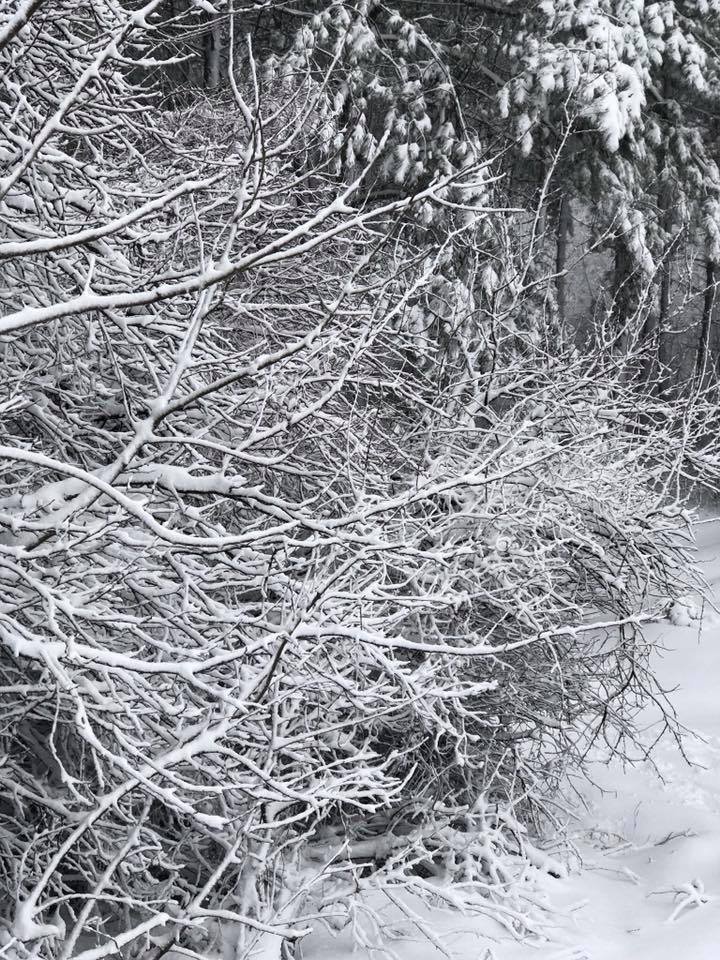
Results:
x,y
648,884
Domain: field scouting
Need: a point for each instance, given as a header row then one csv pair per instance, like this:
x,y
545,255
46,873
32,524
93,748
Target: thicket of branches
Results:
x,y
322,554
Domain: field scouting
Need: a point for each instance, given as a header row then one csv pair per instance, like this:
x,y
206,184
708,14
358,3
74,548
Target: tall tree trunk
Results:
x,y
622,293
657,338
703,350
564,230
665,344
649,333
213,51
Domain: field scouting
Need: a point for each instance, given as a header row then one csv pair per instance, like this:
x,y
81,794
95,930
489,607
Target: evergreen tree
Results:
x,y
627,87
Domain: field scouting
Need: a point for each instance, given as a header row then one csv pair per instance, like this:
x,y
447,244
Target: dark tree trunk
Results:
x,y
702,358
213,53
623,290
564,231
665,345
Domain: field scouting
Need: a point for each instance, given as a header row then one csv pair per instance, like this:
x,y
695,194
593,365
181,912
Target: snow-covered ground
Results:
x,y
648,887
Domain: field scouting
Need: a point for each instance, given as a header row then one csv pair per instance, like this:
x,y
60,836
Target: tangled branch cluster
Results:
x,y
316,569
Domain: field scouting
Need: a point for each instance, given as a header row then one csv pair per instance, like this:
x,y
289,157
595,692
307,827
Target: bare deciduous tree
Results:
x,y
319,561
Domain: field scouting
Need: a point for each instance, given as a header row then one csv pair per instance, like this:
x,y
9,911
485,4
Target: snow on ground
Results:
x,y
649,884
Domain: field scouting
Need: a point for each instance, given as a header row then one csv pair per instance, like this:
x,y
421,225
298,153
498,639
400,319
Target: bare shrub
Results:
x,y
319,565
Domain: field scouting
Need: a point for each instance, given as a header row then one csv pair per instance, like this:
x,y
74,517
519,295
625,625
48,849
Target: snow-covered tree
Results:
x,y
319,563
627,85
